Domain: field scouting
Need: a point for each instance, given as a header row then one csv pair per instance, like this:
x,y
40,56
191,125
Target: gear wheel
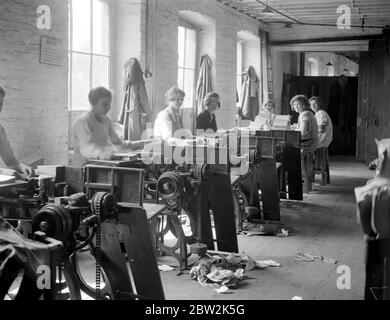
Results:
x,y
170,185
54,220
103,204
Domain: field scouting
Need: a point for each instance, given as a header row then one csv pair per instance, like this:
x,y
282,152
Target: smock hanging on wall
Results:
x,y
249,98
204,84
136,110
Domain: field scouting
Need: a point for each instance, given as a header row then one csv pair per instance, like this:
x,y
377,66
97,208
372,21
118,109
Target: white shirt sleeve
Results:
x,y
114,138
82,135
163,127
6,152
321,118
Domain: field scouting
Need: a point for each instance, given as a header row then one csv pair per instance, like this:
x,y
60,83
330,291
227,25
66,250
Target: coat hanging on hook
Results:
x,y
136,110
249,98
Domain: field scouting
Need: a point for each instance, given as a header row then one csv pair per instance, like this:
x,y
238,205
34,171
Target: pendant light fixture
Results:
x,y
329,64
266,9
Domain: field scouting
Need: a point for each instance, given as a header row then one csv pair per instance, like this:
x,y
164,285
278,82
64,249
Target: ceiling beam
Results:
x,y
330,39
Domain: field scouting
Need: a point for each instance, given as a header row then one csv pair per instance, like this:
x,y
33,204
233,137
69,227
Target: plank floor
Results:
x,y
324,224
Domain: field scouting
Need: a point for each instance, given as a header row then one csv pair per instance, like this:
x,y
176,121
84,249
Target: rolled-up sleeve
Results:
x,y
6,152
304,126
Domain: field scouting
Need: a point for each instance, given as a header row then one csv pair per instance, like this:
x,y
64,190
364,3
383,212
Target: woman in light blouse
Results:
x,y
307,123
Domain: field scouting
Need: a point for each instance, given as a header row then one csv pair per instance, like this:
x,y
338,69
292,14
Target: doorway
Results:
x,y
339,95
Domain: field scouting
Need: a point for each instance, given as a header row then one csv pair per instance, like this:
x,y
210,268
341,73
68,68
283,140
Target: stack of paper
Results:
x,y
6,179
281,122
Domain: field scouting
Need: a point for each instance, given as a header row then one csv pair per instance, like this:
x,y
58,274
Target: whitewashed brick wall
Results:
x,y
227,24
35,114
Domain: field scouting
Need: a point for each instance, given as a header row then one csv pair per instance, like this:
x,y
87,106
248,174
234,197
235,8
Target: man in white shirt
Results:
x,y
93,132
325,126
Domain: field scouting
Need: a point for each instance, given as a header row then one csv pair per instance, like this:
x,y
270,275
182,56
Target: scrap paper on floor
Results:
x,y
266,263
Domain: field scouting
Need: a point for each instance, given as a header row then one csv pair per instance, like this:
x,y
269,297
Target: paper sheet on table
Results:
x,y
4,179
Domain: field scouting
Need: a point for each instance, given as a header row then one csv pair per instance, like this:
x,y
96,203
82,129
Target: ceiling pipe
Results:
x,y
308,23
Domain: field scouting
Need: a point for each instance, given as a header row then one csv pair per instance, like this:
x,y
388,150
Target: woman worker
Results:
x,y
206,119
169,120
325,126
268,111
93,132
307,123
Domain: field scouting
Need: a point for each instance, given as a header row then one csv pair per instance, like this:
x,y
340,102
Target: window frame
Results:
x,y
90,54
187,25
240,48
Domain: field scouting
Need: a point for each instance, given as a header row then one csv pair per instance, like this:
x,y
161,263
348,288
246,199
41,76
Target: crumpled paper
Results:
x,y
266,263
223,290
219,275
261,264
266,230
227,270
165,267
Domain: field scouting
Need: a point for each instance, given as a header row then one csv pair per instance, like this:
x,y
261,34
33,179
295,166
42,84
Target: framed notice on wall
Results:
x,y
51,51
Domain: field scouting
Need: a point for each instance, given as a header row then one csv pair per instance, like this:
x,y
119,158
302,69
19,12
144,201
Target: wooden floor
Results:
x,y
324,224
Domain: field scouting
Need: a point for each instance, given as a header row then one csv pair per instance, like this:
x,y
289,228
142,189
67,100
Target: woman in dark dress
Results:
x,y
206,119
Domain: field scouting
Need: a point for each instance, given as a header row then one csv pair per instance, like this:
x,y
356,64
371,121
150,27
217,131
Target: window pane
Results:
x,y
181,46
100,72
100,27
180,78
189,76
190,58
81,11
80,81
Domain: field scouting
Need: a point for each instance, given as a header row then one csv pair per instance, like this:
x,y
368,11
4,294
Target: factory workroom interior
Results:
x,y
214,150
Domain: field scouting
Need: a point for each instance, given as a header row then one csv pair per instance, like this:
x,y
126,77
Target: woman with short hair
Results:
x,y
169,120
307,123
93,133
268,110
325,126
206,119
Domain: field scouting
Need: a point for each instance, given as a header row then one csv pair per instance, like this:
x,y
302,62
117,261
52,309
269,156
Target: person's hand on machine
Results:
x,y
134,145
25,170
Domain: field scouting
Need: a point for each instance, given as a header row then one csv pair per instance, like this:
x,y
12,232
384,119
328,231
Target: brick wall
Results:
x,y
224,57
128,41
35,113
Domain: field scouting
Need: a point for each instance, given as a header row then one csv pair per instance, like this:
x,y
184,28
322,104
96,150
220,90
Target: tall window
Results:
x,y
313,67
89,50
239,69
187,63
